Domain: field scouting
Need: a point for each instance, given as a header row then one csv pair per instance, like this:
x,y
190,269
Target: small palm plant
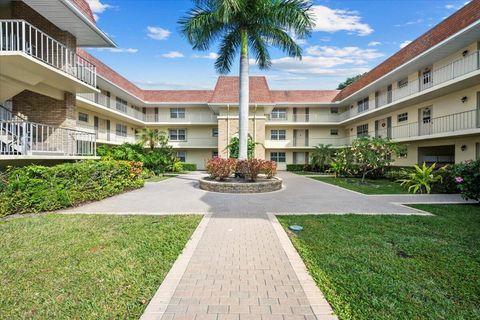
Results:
x,y
321,156
244,27
152,137
422,179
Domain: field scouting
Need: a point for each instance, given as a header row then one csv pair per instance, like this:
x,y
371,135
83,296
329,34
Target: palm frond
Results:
x,y
229,47
260,50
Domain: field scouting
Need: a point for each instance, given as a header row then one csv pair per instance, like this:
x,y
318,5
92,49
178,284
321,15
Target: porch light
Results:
x,y
464,53
463,147
464,99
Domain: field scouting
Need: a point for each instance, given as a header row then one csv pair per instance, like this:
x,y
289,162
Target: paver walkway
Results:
x,y
300,195
239,270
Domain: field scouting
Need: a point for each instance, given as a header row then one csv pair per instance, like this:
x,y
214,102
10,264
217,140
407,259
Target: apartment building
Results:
x,y
59,101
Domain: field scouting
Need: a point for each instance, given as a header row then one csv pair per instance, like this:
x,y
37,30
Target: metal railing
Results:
x,y
19,35
113,104
21,137
308,118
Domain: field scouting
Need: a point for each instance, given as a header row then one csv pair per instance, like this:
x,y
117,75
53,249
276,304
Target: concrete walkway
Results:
x,y
300,195
241,268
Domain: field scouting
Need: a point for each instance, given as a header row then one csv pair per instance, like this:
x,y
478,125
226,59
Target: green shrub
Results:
x,y
295,167
422,179
448,184
38,188
189,166
467,177
395,174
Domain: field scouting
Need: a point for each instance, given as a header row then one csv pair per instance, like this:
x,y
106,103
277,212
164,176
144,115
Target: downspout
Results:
x,y
228,129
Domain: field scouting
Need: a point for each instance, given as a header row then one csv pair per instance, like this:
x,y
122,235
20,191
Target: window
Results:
x,y
214,154
278,113
402,83
427,76
82,117
278,156
182,156
334,110
362,105
403,154
177,134
334,132
215,132
402,117
121,105
278,134
121,130
177,113
362,130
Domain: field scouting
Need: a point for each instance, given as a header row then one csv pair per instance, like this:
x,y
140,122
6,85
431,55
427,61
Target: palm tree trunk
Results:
x,y
244,100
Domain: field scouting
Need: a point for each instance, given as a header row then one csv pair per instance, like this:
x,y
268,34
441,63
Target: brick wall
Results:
x,y
45,110
22,11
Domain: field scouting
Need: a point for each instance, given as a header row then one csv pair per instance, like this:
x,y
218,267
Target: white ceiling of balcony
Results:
x,y
68,17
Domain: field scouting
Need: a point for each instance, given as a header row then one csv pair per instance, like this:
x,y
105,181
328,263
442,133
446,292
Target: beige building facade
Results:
x,y
59,102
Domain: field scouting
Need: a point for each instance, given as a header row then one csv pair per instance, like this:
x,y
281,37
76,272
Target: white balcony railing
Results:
x,y
19,35
453,123
306,118
188,118
112,103
207,142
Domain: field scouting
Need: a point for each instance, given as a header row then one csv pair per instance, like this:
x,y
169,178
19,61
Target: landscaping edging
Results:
x,y
273,184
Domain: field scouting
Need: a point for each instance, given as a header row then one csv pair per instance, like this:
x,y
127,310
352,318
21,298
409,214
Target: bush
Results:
x,y
422,179
189,166
269,168
448,184
467,177
220,168
38,188
295,167
397,173
250,169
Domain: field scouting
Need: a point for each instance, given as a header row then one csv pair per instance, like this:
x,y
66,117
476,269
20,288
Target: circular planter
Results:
x,y
235,186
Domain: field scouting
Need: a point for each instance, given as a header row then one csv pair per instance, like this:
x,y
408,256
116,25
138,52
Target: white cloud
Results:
x,y
450,6
409,23
353,55
405,43
158,33
333,20
119,50
173,55
97,7
374,43
210,55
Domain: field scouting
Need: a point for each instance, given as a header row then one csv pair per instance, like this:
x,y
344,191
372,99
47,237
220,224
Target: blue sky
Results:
x,y
350,37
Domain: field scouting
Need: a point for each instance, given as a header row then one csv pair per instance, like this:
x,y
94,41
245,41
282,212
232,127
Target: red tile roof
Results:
x,y
85,8
227,90
180,96
461,19
304,95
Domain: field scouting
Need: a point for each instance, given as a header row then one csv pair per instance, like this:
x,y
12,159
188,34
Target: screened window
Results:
x,y
278,135
121,105
177,113
215,132
362,105
334,132
362,130
334,110
279,113
402,83
182,156
121,130
177,134
278,156
402,117
82,117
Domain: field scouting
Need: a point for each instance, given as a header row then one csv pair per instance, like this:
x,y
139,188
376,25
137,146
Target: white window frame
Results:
x,y
402,83
214,132
279,114
121,105
334,110
121,130
176,134
402,117
362,130
177,113
362,105
279,157
334,132
278,134
81,114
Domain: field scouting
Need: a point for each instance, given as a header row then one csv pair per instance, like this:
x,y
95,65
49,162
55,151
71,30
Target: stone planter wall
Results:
x,y
270,185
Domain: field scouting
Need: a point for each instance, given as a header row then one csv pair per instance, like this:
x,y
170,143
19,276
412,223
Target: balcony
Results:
x,y
19,137
462,123
195,143
19,38
304,118
188,118
428,80
113,104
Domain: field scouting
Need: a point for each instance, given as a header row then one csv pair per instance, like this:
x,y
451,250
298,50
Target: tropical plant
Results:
x,y
467,177
321,156
234,147
342,164
372,154
250,169
269,168
422,179
244,25
152,138
349,81
220,168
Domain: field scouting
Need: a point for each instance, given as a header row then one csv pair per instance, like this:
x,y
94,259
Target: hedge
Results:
x,y
295,167
37,188
189,166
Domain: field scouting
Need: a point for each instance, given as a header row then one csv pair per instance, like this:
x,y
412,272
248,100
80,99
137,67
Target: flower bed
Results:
x,y
234,185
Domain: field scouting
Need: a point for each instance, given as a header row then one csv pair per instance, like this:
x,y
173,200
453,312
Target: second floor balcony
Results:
x,y
20,36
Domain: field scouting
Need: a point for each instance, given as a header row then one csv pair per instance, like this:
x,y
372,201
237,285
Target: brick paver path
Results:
x,y
239,270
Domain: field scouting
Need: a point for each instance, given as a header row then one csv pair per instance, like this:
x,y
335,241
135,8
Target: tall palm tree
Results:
x,y
152,137
243,25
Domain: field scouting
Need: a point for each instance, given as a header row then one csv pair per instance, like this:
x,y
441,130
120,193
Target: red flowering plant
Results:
x,y
220,168
269,168
250,169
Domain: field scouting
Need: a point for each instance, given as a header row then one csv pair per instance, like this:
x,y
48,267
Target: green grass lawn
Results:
x,y
86,266
378,186
395,267
160,178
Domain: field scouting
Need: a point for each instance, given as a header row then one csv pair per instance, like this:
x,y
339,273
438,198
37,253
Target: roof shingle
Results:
x,y
227,90
85,8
